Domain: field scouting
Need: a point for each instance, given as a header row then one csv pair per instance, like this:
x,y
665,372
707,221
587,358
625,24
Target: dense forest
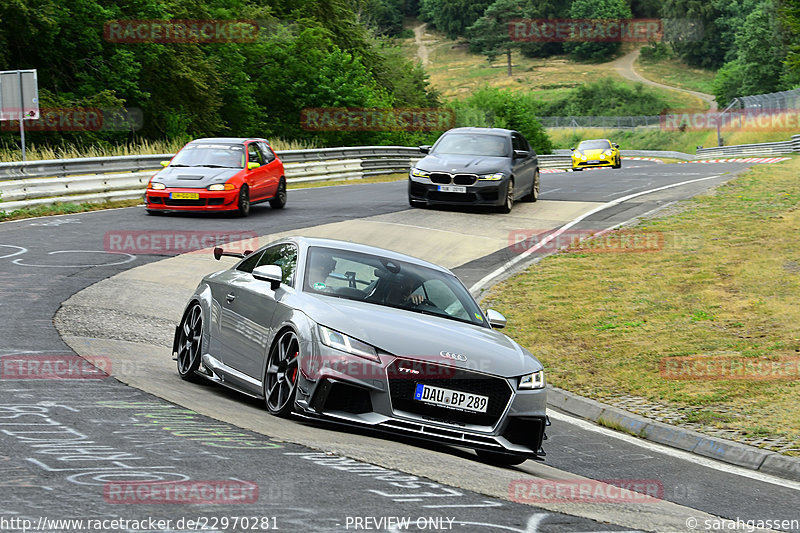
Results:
x,y
343,53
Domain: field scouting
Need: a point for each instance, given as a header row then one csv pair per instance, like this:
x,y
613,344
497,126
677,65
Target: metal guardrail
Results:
x,y
759,149
97,179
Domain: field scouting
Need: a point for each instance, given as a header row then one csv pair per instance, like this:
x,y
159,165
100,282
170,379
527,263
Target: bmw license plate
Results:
x,y
452,188
184,195
451,398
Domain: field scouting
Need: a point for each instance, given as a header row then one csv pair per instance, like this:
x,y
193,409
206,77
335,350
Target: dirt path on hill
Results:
x,y
624,66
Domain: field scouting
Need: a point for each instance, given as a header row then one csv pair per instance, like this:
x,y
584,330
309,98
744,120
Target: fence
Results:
x,y
759,149
643,121
101,179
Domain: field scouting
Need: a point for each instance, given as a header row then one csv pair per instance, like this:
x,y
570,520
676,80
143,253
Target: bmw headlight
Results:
x,y
492,177
156,186
345,343
221,187
419,173
532,381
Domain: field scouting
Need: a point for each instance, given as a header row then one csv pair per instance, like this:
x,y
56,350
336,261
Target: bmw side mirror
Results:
x,y
425,149
521,154
269,273
495,319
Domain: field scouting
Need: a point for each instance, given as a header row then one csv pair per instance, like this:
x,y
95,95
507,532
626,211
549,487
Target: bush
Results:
x,y
606,97
657,52
499,108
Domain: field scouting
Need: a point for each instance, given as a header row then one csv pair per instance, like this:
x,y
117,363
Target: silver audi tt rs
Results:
x,y
351,333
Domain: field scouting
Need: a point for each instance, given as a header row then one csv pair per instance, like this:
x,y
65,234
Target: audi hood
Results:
x,y
420,336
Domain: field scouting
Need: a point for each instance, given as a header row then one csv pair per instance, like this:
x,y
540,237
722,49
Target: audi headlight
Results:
x,y
156,186
419,173
532,381
221,187
492,177
345,343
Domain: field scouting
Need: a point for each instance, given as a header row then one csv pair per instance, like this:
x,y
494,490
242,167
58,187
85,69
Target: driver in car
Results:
x,y
402,293
318,273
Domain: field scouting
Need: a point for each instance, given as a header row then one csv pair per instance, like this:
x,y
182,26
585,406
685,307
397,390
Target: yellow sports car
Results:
x,y
596,153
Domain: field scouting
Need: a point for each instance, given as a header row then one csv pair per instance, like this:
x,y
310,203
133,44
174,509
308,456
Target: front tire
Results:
x,y
500,459
190,342
509,203
280,382
243,205
280,196
618,163
534,194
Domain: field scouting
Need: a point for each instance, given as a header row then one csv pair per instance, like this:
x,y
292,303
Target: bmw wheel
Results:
x,y
534,194
190,342
280,383
243,206
509,203
280,197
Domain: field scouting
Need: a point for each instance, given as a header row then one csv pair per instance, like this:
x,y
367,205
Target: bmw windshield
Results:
x,y
472,144
390,283
210,155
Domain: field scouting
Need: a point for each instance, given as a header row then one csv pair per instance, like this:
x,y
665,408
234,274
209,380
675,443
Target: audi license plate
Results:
x,y
452,188
184,195
451,398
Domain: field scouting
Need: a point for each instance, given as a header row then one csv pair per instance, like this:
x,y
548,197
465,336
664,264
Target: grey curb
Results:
x,y
727,451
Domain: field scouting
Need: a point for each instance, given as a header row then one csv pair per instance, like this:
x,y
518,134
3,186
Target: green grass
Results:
x,y
722,288
457,73
677,74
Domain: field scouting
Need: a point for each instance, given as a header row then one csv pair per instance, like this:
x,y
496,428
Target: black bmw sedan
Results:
x,y
476,166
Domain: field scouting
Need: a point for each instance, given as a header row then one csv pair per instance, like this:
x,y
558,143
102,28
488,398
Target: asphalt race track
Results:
x,y
65,443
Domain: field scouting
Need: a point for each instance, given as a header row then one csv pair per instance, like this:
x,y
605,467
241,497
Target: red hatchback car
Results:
x,y
218,174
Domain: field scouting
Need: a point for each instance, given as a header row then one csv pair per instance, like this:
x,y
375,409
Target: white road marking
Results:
x,y
674,452
20,248
521,257
130,258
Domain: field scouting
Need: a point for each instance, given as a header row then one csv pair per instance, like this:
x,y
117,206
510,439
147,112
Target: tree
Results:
x,y
790,22
453,17
596,9
490,36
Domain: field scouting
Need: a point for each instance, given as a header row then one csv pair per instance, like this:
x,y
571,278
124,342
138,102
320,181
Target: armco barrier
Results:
x,y
775,148
33,183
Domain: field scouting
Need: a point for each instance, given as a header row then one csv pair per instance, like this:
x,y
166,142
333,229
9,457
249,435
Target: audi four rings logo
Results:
x,y
454,356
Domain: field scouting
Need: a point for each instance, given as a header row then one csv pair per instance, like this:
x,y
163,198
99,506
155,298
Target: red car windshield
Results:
x,y
210,155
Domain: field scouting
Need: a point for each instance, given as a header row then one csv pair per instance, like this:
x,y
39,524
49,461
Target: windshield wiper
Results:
x,y
212,166
179,165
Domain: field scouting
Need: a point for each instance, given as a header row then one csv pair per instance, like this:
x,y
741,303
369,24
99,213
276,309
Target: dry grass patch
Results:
x,y
724,288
